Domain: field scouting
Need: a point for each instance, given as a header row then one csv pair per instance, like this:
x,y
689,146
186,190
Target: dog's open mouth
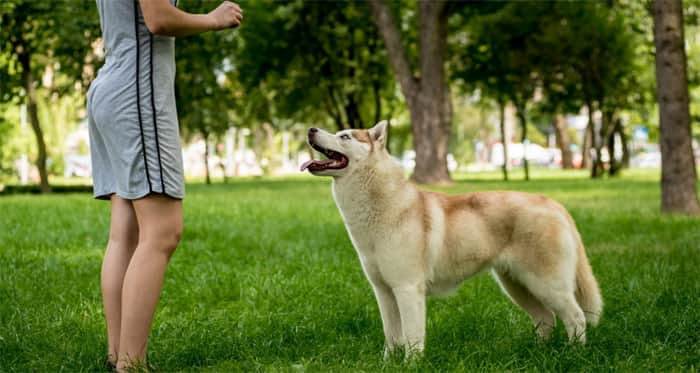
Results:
x,y
335,160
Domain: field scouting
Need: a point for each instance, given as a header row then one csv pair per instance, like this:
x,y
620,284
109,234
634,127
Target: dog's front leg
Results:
x,y
391,319
411,302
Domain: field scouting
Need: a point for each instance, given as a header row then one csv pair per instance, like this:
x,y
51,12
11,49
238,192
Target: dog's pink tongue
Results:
x,y
306,164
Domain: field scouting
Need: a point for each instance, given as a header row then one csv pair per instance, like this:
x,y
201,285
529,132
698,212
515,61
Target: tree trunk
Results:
x,y
223,172
428,97
520,110
678,174
625,147
586,146
596,162
504,140
28,78
269,147
603,138
206,157
615,165
563,141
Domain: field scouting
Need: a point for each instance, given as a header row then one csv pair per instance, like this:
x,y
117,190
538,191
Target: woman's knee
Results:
x,y
165,239
160,223
175,237
124,238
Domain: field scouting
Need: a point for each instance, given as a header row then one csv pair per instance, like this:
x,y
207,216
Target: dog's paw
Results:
x,y
393,354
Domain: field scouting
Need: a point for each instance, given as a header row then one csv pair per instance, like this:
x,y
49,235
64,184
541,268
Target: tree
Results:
x,y
605,63
426,91
678,174
587,56
504,140
563,140
501,64
477,68
24,34
314,62
35,34
560,83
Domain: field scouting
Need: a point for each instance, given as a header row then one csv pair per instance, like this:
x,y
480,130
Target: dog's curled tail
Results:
x,y
587,290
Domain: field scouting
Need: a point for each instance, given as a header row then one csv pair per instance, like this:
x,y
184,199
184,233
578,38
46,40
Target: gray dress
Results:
x,y
132,118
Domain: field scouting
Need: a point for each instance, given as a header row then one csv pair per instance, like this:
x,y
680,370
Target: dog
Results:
x,y
413,243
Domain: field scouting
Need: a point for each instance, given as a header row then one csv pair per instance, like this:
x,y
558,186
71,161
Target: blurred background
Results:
x,y
488,86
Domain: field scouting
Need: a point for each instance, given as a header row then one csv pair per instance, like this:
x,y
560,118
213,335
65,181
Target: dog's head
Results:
x,y
345,150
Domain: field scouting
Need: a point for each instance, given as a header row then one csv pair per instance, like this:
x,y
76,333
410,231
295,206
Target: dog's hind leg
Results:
x,y
557,294
542,317
567,309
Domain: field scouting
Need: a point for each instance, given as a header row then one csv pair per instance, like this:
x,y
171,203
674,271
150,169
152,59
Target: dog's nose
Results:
x,y
312,133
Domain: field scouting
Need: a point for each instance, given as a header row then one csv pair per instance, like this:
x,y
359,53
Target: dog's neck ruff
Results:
x,y
369,188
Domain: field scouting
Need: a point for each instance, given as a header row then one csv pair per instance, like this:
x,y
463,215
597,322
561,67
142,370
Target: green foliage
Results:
x,y
59,117
7,137
24,31
52,39
57,33
638,16
499,63
470,125
575,51
266,279
205,99
313,62
294,63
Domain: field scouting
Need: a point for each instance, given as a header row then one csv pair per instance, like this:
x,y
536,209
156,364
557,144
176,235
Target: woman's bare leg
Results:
x,y
160,226
123,238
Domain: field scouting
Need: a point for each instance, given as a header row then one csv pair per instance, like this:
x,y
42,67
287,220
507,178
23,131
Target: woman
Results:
x,y
137,160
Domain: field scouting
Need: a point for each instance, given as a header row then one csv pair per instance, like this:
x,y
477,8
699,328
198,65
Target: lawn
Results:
x,y
266,279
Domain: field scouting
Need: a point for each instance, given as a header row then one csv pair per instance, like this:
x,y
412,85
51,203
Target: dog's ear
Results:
x,y
379,132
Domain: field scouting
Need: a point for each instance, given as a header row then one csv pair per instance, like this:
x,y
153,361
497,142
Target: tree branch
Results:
x,y
397,52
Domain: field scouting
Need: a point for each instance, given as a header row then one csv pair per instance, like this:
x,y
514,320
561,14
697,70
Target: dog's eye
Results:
x,y
345,137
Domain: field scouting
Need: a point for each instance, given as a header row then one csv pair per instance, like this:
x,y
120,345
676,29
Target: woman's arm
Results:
x,y
162,18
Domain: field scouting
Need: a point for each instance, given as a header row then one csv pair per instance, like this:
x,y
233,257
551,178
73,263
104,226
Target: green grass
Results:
x,y
266,279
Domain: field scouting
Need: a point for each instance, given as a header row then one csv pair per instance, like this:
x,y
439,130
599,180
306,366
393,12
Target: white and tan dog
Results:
x,y
414,243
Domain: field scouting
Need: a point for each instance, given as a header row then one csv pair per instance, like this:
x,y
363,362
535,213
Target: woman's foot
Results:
x,y
136,366
110,366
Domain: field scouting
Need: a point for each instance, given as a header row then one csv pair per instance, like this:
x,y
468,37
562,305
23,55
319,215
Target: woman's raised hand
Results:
x,y
227,15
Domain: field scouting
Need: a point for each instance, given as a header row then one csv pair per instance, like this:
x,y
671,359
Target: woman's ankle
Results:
x,y
131,365
112,358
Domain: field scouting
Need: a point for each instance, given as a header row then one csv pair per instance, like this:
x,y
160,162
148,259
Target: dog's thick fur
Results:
x,y
414,243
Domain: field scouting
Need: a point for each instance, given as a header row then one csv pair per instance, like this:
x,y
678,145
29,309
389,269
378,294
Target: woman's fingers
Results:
x,y
227,15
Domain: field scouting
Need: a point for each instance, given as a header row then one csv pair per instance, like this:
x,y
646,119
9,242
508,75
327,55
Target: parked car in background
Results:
x,y
536,154
648,156
408,161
